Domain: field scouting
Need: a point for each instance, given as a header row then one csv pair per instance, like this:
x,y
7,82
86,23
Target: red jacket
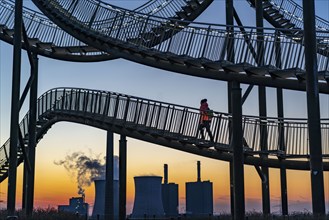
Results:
x,y
203,112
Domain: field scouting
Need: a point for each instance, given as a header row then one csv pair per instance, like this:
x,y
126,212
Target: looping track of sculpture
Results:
x,y
162,34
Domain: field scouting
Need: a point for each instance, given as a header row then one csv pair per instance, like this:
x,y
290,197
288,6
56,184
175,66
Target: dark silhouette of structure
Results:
x,y
76,205
199,197
283,57
170,198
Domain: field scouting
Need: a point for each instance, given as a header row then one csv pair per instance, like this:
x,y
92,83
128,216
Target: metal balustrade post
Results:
x,y
122,177
313,110
29,200
109,188
126,110
14,120
238,161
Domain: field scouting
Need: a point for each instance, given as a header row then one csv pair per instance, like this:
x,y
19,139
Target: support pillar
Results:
x,y
262,106
313,110
109,188
122,177
283,171
284,194
263,142
282,147
238,169
14,120
230,54
32,139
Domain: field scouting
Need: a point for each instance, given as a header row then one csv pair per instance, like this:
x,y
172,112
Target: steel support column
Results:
x,y
284,194
313,110
109,206
279,95
262,105
14,120
263,142
238,169
122,177
230,54
283,171
32,138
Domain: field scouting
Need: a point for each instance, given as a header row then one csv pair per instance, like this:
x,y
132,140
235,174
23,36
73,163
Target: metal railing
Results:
x,y
43,30
294,12
197,41
285,137
38,27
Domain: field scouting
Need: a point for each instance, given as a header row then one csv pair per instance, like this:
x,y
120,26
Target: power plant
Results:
x,y
152,199
156,200
199,196
148,197
76,205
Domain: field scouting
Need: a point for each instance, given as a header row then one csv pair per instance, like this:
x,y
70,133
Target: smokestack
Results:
x,y
199,171
165,180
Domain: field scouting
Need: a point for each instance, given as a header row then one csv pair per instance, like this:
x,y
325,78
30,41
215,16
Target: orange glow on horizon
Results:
x,y
53,185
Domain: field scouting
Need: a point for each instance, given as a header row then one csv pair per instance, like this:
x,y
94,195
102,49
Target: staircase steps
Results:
x,y
45,45
182,14
9,32
324,75
277,16
282,21
286,73
60,50
260,70
288,25
267,4
198,63
33,41
188,9
238,67
2,27
194,4
272,11
177,59
217,64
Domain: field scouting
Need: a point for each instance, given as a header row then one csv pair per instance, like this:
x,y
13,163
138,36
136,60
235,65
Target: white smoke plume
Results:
x,y
86,169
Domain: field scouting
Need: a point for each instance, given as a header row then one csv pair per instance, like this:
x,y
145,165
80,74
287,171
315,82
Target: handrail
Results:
x,y
294,12
268,118
63,6
208,39
170,120
61,45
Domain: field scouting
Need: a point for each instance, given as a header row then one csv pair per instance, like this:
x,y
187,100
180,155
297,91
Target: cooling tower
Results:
x,y
148,197
99,203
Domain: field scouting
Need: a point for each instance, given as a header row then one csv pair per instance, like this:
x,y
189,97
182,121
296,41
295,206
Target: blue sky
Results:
x,y
134,79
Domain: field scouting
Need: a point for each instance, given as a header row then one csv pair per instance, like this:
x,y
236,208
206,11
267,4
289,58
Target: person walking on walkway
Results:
x,y
205,120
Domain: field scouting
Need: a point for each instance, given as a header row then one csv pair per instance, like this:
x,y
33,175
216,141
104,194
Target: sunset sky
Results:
x,y
54,185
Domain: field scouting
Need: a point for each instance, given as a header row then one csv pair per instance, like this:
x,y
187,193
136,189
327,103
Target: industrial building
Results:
x,y
169,196
199,196
76,205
